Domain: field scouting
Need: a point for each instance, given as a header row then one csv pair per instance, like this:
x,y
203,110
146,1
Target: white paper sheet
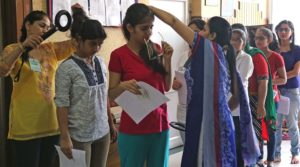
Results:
x,y
77,161
108,12
97,11
182,92
124,6
113,13
139,106
284,105
60,5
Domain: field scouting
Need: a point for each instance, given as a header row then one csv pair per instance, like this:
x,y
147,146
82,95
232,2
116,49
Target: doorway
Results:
x,y
285,10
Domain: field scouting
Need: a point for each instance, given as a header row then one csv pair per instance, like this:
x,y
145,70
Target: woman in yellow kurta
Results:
x,y
33,126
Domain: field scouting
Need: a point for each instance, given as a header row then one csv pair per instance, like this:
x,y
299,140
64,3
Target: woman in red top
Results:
x,y
258,88
263,38
148,141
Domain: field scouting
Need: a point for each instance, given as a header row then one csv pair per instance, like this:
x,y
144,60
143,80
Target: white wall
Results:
x,y
286,10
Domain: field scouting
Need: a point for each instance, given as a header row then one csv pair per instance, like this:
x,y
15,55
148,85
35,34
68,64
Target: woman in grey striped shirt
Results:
x,y
81,95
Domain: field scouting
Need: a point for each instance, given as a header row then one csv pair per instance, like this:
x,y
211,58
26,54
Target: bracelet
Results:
x,y
21,47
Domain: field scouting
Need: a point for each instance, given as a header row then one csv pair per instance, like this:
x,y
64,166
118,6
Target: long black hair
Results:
x,y
274,45
137,14
291,26
85,28
198,22
223,32
240,26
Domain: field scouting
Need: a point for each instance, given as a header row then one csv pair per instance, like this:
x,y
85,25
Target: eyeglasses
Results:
x,y
284,30
260,38
152,50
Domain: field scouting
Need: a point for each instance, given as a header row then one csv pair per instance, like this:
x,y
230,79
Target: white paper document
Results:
x,y
124,6
284,105
77,161
108,12
139,106
182,92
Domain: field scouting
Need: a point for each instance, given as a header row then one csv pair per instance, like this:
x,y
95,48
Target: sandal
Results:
x,y
295,159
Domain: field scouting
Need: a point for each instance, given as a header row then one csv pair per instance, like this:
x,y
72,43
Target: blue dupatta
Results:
x,y
249,142
209,126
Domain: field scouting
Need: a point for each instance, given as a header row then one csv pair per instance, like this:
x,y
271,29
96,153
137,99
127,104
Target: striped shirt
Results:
x,y
83,89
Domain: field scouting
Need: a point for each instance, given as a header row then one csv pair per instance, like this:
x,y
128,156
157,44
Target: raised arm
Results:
x,y
63,49
167,54
183,30
10,55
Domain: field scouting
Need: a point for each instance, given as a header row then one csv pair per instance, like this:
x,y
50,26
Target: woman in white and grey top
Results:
x,y
245,68
82,87
81,96
244,62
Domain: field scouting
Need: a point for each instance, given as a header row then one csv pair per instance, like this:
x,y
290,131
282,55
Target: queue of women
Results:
x,y
233,91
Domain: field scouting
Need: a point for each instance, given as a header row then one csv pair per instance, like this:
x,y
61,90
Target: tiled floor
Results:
x,y
175,156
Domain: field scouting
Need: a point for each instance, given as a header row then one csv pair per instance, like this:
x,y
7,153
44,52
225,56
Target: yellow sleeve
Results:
x,y
63,49
9,48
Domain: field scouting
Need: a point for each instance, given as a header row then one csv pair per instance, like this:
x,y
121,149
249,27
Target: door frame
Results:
x,y
11,18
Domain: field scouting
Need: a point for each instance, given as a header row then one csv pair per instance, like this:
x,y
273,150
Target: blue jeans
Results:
x,y
292,122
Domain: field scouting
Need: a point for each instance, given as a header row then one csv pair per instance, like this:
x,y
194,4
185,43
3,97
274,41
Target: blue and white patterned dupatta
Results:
x,y
249,142
209,126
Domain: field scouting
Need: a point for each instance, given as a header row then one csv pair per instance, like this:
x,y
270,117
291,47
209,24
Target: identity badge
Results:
x,y
35,65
